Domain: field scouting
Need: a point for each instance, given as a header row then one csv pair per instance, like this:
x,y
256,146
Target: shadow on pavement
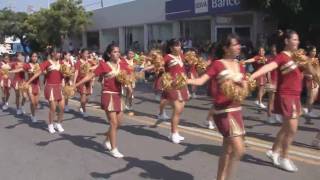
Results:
x,y
152,170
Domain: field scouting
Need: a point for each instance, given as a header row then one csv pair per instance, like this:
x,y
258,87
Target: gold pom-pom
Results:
x,y
201,66
181,81
68,91
262,60
24,87
252,83
4,73
191,57
36,68
166,81
300,57
235,91
156,60
85,68
124,78
66,70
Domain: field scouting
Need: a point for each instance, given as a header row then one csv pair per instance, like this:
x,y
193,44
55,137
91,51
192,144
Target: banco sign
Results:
x,y
224,3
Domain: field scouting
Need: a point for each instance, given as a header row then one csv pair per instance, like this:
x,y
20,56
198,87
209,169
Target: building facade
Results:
x,y
143,24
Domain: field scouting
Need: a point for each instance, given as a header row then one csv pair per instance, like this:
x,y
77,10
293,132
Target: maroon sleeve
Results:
x,y
77,65
103,68
44,65
26,66
213,69
280,59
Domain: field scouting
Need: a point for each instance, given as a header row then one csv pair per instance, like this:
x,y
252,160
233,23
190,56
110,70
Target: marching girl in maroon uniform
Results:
x,y
111,101
18,79
192,74
258,61
34,89
52,89
287,100
66,59
311,85
157,86
85,90
227,112
130,88
5,80
271,88
174,65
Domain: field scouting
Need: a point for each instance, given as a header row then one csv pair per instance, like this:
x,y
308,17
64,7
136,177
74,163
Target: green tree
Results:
x,y
12,24
64,18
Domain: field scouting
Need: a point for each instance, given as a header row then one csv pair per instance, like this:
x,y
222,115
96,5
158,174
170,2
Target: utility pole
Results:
x,y
101,3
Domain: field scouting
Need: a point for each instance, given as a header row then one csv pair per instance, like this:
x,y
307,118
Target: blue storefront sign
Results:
x,y
177,9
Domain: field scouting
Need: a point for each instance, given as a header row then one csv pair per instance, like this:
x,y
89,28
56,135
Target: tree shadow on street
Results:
x,y
213,150
152,170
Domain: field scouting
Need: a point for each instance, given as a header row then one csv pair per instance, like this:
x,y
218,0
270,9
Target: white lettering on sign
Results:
x,y
201,6
224,3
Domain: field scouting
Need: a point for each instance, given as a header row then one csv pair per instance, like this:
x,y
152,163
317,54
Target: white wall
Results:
x,y
138,12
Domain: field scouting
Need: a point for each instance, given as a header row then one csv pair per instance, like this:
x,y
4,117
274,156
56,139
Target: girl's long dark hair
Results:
x,y
225,43
280,45
108,51
171,43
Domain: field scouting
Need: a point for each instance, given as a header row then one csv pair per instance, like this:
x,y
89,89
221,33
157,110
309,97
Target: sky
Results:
x,y
28,5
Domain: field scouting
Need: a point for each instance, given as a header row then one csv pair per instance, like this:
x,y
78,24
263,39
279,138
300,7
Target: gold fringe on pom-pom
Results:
x,y
262,60
24,87
234,91
300,57
4,73
252,83
36,68
191,57
68,91
181,81
313,69
201,66
166,81
156,60
124,78
85,68
66,70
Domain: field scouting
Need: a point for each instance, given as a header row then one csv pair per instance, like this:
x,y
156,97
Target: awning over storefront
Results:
x,y
178,9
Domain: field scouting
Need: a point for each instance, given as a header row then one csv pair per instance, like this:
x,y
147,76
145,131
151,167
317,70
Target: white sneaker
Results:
x,y
288,165
262,106
175,138
279,118
211,125
5,106
305,110
33,119
274,157
107,145
128,108
272,119
66,109
51,129
58,126
257,103
84,114
194,95
180,137
163,116
157,97
115,153
19,112
312,114
81,110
